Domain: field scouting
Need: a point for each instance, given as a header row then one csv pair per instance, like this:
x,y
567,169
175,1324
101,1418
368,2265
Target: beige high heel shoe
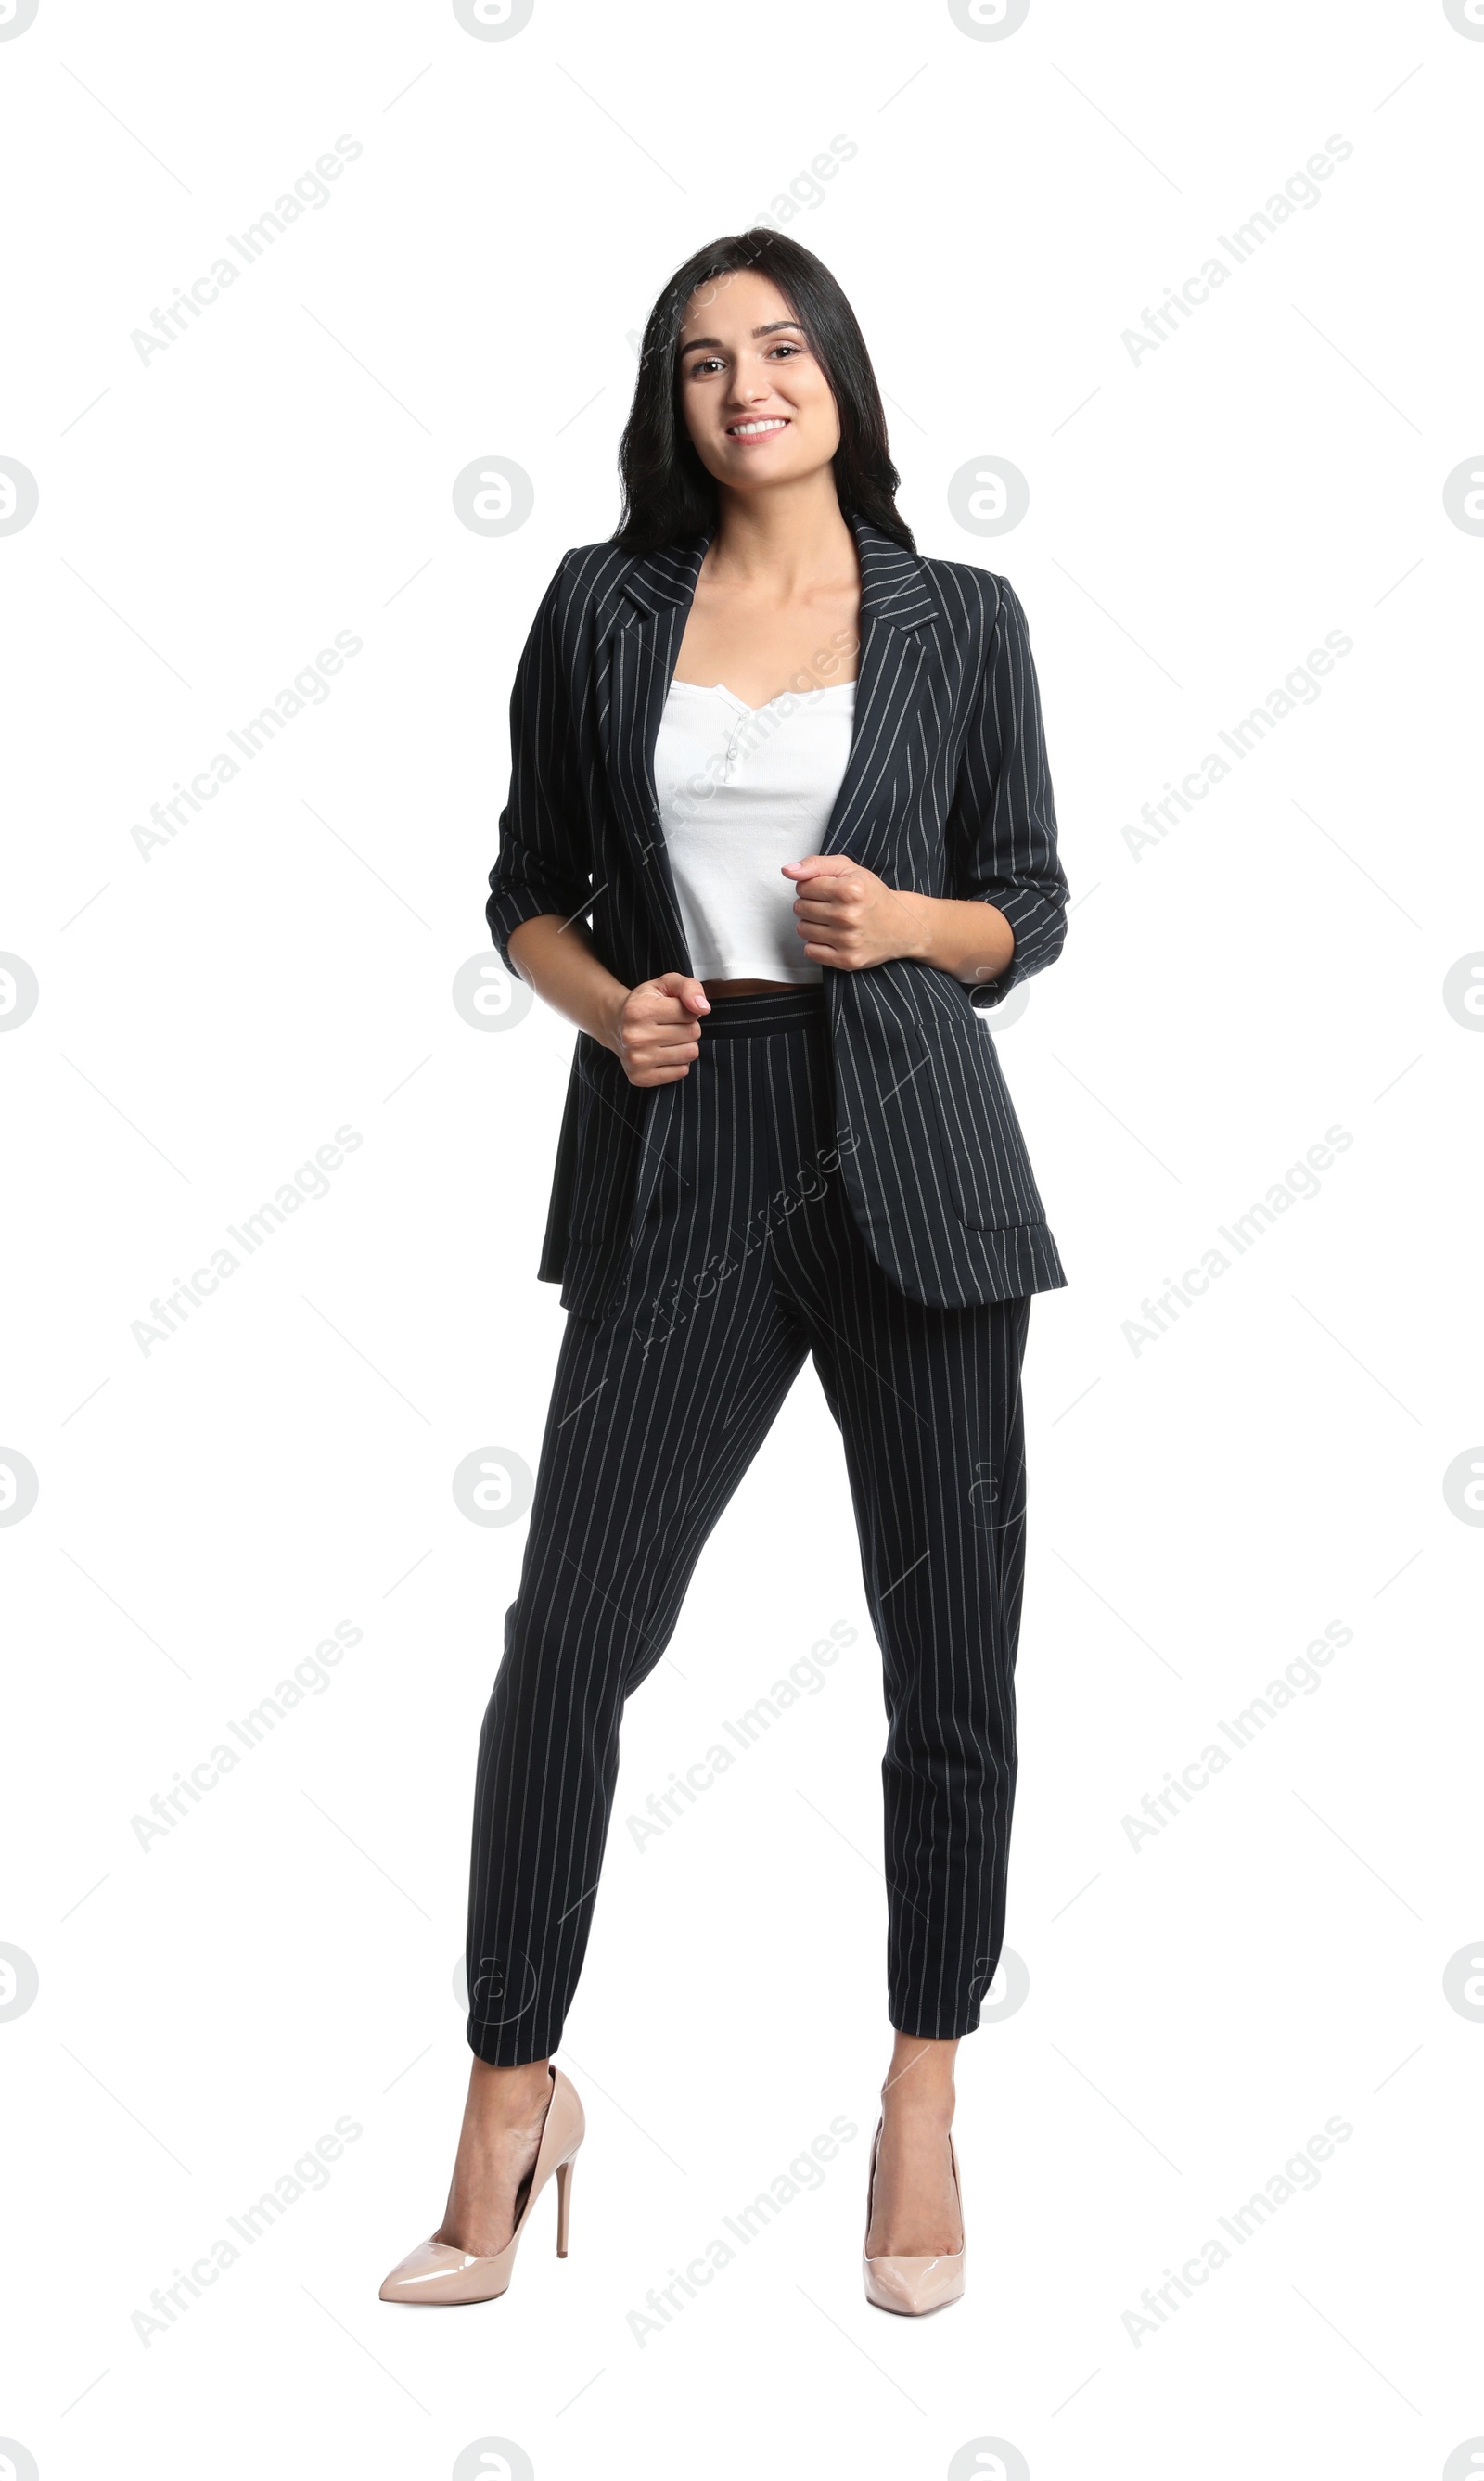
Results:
x,y
911,2286
437,2276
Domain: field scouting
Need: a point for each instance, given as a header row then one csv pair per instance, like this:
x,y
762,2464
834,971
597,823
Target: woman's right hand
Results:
x,y
654,1029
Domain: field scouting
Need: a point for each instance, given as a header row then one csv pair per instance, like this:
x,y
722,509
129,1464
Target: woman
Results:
x,y
772,884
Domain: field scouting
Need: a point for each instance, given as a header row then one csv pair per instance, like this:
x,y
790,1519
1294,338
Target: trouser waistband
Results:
x,y
767,1012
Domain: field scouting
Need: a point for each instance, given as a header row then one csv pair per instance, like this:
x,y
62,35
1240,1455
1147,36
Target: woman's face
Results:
x,y
756,402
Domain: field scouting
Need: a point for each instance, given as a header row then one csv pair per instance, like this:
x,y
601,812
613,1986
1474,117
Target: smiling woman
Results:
x,y
754,382
774,919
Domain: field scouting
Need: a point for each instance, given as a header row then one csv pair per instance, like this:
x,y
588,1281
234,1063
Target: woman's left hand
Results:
x,y
848,918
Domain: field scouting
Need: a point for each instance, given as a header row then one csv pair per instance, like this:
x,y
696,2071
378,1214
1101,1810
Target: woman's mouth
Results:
x,y
763,427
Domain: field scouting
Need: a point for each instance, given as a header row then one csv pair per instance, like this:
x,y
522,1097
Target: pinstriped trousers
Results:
x,y
748,1261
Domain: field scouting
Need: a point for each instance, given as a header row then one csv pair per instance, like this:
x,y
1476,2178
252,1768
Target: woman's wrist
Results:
x,y
556,959
921,926
608,1011
970,940
927,928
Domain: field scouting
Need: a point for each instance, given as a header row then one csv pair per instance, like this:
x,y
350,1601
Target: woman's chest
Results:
x,y
762,651
716,757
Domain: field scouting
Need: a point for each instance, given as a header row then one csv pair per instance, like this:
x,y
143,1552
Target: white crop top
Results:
x,y
741,791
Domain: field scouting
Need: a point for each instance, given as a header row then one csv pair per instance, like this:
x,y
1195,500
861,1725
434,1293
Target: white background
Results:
x,y
1200,1509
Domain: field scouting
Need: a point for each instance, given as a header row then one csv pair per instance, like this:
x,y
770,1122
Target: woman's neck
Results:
x,y
787,539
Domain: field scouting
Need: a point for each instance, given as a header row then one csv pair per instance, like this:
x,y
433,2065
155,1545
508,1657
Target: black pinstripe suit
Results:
x,y
946,792
840,1174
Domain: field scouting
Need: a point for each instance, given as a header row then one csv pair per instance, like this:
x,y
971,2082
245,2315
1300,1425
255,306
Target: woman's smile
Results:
x,y
753,427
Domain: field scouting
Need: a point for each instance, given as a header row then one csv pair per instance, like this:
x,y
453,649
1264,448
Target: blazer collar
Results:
x,y
895,585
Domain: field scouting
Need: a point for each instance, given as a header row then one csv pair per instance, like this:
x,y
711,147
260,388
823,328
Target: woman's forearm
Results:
x,y
556,959
967,938
849,918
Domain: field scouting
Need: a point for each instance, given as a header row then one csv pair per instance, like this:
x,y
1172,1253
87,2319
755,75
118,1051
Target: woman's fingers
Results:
x,y
685,989
660,1027
660,1036
654,1009
656,1073
666,1054
678,1036
831,897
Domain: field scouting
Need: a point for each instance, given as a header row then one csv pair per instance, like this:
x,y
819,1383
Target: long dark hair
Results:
x,y
668,493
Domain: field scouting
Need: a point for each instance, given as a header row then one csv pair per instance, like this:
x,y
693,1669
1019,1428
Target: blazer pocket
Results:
x,y
987,1165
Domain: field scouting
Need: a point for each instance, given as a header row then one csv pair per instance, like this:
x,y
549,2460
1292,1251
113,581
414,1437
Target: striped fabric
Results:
x,y
946,792
749,1259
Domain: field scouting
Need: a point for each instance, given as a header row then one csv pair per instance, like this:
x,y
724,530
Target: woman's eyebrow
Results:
x,y
771,329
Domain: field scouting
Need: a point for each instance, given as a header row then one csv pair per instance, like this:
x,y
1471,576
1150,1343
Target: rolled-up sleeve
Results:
x,y
1002,828
542,865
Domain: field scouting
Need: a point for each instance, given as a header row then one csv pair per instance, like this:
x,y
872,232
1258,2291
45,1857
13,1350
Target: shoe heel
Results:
x,y
564,2204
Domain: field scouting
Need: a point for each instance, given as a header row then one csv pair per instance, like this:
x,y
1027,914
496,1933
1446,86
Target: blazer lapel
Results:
x,y
896,604
641,652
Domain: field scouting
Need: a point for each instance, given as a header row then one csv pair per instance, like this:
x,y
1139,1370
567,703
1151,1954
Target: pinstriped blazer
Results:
x,y
946,791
